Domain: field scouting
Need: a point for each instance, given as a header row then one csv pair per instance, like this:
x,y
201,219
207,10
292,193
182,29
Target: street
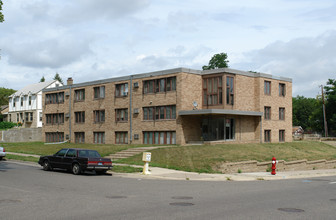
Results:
x,y
28,192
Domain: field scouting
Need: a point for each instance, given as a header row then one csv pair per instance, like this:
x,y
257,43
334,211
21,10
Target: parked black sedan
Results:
x,y
76,160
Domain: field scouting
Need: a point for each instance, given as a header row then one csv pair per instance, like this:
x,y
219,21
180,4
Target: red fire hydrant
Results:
x,y
274,162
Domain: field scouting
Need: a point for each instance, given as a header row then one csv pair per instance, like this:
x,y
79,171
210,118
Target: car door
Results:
x,y
69,158
56,161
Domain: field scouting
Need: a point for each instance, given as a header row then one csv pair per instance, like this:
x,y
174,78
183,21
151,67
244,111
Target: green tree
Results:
x,y
57,77
305,111
330,105
2,19
42,79
4,94
217,61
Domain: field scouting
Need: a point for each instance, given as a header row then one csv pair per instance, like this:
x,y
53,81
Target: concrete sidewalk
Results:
x,y
162,173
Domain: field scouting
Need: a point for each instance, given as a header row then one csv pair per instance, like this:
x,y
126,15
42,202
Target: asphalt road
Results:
x,y
28,192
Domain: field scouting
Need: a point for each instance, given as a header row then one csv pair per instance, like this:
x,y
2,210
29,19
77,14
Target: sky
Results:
x,y
98,39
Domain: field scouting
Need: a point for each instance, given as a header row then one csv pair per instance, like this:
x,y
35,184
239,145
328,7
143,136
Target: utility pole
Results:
x,y
324,115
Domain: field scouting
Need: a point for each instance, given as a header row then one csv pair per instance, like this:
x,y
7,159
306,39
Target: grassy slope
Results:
x,y
40,148
203,158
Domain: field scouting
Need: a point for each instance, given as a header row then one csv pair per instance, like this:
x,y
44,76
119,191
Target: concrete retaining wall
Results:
x,y
255,166
21,135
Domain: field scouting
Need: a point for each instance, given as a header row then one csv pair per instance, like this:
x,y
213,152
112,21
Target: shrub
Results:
x,y
7,125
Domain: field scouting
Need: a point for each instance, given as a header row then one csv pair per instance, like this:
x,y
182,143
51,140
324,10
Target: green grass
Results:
x,y
199,158
126,169
39,148
205,158
22,158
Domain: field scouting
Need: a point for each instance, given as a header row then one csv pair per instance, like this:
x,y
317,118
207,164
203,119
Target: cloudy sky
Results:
x,y
97,39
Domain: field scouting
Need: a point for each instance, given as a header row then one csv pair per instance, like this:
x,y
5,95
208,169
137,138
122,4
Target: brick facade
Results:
x,y
169,117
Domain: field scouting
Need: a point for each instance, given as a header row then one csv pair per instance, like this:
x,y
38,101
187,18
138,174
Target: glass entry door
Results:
x,y
218,129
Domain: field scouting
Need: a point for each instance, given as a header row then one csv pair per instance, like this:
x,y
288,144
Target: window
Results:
x,y
282,89
159,137
267,88
99,116
54,137
79,95
40,116
267,113
281,113
71,153
79,137
121,137
79,117
57,118
159,85
121,115
229,90
99,92
29,100
212,91
121,90
267,135
99,137
281,135
161,112
31,114
14,100
54,98
21,101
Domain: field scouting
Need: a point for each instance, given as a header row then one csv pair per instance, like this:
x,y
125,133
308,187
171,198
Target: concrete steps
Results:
x,y
131,152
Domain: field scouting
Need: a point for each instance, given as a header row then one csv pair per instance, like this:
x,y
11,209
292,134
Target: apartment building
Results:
x,y
175,106
25,105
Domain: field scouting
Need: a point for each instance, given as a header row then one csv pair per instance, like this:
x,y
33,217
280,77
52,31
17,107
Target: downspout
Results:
x,y
70,114
130,91
261,129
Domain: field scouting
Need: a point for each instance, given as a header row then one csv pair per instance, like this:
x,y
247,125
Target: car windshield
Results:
x,y
88,153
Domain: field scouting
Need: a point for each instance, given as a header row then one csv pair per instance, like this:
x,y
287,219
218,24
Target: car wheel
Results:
x,y
76,169
46,165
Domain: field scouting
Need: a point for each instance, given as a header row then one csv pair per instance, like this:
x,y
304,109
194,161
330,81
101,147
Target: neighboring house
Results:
x,y
3,113
175,106
297,130
25,105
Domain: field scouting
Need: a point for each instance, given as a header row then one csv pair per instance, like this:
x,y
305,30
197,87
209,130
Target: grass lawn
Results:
x,y
39,148
202,158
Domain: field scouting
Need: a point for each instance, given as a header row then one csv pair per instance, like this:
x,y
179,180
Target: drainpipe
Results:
x,y
261,129
130,116
70,113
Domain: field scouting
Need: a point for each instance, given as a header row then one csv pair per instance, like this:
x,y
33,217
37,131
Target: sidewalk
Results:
x,y
162,173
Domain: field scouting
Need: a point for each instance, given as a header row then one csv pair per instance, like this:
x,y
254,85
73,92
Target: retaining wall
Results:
x,y
255,166
21,135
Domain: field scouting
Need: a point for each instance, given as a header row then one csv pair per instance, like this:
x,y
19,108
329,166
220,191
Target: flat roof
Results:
x,y
219,112
170,71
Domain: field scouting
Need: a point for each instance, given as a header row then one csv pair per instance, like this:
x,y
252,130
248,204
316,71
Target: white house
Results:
x,y
25,105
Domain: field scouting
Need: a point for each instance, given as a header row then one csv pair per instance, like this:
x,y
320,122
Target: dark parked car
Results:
x,y
76,160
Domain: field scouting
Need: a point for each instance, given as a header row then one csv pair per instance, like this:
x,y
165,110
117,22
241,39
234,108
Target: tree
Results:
x,y
1,15
42,79
4,94
57,77
330,89
217,61
305,112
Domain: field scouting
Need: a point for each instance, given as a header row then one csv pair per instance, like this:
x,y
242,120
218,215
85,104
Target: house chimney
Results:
x,y
69,81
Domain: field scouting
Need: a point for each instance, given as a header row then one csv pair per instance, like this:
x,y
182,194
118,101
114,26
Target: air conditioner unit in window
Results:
x,y
136,111
136,85
67,137
67,94
136,136
67,115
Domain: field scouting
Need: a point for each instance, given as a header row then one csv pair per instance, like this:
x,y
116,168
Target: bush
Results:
x,y
7,125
